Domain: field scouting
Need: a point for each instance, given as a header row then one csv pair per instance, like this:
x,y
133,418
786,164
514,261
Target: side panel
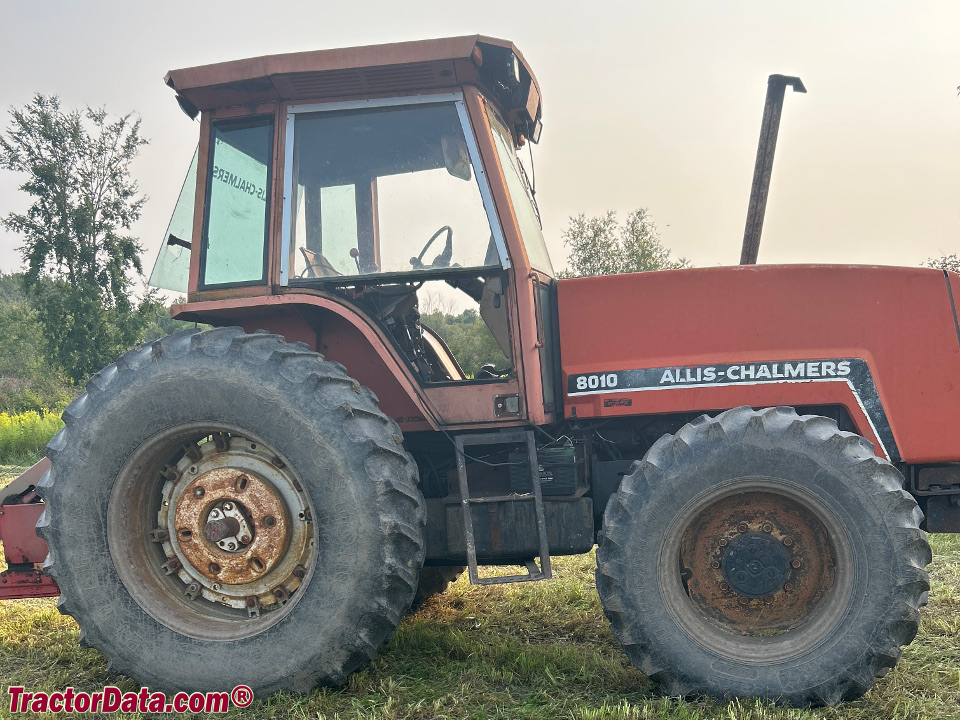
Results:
x,y
771,335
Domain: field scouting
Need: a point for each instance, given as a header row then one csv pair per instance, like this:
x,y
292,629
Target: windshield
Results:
x,y
388,190
520,195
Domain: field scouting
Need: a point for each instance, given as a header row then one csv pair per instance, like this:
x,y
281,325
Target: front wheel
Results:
x,y
763,554
227,509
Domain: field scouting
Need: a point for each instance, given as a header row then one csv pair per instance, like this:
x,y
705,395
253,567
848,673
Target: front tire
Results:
x,y
763,554
227,509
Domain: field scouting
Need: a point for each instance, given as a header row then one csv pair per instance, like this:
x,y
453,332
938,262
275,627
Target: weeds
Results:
x,y
24,436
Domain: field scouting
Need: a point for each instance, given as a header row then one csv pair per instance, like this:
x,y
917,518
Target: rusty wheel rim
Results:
x,y
757,568
211,532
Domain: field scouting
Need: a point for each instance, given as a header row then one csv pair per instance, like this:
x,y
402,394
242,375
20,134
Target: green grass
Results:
x,y
531,651
23,436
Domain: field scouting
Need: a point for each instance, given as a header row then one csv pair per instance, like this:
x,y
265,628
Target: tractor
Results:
x,y
757,452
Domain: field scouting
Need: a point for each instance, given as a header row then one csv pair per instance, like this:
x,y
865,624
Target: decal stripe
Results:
x,y
853,371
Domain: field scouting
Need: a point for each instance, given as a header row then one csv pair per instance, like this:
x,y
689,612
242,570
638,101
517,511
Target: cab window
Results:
x,y
238,199
385,191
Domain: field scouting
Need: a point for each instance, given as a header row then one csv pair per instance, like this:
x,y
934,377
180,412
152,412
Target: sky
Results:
x,y
646,104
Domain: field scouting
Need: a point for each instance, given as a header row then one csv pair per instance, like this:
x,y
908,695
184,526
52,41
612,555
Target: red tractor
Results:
x,y
261,503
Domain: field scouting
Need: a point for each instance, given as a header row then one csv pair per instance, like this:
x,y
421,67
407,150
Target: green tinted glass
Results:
x,y
235,233
172,269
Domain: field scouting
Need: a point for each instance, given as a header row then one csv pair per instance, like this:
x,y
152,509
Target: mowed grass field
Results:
x,y
538,650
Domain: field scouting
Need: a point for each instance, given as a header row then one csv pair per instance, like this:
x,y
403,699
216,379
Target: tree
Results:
x,y
79,256
947,262
601,246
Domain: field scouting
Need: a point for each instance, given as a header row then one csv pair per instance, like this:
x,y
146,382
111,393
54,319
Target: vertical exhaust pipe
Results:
x,y
776,87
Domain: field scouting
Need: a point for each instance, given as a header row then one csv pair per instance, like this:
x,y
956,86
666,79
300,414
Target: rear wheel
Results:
x,y
763,554
228,509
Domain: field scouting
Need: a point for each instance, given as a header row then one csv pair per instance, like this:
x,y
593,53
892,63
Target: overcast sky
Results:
x,y
646,104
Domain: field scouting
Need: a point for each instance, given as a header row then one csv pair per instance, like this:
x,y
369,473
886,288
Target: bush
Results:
x,y
26,434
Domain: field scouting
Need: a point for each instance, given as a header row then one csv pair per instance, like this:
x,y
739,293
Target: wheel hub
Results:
x,y
755,565
235,526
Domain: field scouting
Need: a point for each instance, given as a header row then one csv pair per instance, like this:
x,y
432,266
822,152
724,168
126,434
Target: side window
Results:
x,y
172,269
238,200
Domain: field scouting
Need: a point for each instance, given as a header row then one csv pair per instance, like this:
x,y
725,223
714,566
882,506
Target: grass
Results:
x,y
532,651
23,436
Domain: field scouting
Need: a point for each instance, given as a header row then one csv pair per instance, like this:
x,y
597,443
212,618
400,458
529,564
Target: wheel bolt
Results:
x,y
198,491
742,527
788,541
767,527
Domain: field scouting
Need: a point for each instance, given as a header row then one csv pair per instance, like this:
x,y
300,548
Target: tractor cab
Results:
x,y
370,202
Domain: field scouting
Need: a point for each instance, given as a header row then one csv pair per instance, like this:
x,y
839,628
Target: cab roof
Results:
x,y
405,67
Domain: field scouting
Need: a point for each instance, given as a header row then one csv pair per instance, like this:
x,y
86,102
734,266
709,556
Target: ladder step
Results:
x,y
501,498
544,571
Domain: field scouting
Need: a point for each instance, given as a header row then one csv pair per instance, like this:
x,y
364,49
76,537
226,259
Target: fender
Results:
x,y
337,332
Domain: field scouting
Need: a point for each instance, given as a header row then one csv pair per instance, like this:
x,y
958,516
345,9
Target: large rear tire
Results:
x,y
763,554
227,509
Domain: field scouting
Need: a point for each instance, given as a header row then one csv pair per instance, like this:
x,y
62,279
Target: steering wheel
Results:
x,y
443,259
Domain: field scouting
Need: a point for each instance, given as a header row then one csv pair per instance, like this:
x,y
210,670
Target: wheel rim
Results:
x,y
211,532
757,569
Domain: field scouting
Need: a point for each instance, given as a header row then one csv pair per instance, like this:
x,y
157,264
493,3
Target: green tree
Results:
x,y
27,379
78,253
468,338
602,246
